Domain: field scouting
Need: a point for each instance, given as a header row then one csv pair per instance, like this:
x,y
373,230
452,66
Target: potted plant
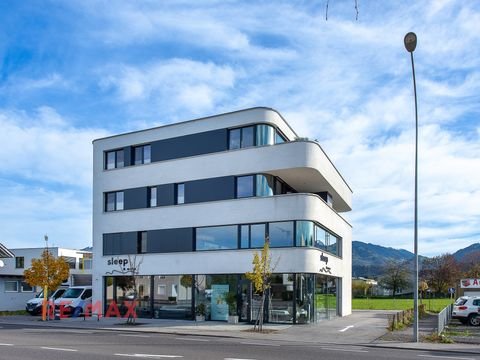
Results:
x,y
200,311
231,300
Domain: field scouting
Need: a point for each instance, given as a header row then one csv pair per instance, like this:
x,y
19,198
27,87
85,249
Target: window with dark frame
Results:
x,y
142,242
245,186
114,201
142,154
152,196
180,194
19,262
114,159
11,286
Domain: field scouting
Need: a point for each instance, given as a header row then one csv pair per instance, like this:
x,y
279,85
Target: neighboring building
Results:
x,y
5,253
193,201
470,287
14,291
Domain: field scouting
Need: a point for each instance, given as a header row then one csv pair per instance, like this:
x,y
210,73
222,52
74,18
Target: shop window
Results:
x,y
282,297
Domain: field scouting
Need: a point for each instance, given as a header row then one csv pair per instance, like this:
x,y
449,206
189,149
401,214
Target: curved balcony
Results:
x,y
301,164
298,206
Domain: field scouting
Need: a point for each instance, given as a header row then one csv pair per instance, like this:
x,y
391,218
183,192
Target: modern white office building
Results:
x,y
14,291
188,204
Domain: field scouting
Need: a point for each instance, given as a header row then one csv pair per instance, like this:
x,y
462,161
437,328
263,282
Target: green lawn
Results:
x,y
434,305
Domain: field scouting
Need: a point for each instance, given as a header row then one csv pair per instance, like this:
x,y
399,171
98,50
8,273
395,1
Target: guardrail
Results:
x,y
404,317
444,318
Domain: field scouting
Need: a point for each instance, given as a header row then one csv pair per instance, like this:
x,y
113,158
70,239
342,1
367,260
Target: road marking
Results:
x,y
134,335
446,357
259,344
150,355
347,350
192,339
6,344
236,359
60,331
345,329
58,349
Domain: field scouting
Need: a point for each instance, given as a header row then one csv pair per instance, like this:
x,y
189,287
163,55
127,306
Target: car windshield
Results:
x,y
72,293
460,301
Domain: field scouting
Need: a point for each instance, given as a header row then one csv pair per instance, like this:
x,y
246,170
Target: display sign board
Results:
x,y
219,307
470,283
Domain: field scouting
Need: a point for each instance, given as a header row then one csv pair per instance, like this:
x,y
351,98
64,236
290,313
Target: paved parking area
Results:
x,y
461,333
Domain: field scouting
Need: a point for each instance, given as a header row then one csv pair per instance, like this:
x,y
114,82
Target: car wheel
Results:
x,y
474,320
77,312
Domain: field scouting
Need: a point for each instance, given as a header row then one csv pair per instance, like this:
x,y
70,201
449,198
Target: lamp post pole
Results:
x,y
410,42
45,288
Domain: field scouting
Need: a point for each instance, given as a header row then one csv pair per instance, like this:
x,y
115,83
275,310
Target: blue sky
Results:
x,y
73,71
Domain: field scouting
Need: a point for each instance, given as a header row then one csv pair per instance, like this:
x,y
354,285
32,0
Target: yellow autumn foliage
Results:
x,y
47,271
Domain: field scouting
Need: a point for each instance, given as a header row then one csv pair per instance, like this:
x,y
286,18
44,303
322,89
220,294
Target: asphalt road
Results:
x,y
38,343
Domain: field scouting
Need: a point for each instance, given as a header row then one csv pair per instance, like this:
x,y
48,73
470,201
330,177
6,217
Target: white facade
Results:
x,y
14,293
302,165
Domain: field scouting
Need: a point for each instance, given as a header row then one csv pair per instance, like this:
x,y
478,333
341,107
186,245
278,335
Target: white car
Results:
x,y
74,301
467,310
34,306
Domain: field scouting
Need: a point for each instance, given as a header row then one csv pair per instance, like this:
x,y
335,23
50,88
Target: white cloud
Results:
x,y
180,83
29,212
44,148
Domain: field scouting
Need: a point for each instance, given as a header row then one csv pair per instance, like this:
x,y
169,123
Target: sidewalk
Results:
x,y
362,328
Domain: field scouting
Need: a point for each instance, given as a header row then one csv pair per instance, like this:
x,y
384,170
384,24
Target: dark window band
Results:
x,y
193,144
196,191
295,233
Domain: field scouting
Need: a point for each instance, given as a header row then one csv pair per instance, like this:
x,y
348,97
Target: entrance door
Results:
x,y
244,295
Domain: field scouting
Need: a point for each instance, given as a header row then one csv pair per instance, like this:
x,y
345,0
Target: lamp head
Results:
x,y
410,41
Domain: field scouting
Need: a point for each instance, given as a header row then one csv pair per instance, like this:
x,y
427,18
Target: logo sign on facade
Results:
x,y
118,262
325,269
470,283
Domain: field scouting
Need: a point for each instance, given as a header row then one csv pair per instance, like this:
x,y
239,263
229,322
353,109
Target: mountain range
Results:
x,y
368,259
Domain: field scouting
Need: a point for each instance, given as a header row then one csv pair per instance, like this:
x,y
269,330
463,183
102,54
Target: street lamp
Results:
x,y
45,288
410,42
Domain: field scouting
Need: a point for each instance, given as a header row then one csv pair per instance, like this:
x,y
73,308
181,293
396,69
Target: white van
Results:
x,y
34,306
74,301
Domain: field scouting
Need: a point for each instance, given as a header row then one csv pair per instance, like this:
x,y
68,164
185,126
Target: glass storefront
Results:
x,y
292,298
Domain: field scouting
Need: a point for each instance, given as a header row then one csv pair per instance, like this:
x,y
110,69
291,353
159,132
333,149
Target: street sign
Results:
x,y
451,290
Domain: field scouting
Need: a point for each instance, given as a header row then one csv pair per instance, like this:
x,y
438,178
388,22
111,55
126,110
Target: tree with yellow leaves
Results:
x,y
261,278
48,272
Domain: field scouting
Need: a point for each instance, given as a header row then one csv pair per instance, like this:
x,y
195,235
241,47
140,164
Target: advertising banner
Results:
x,y
219,308
470,283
